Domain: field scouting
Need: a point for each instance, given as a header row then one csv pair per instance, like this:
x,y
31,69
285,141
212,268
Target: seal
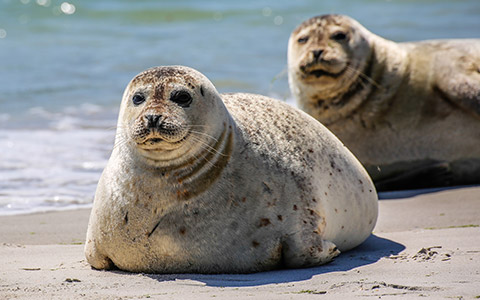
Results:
x,y
208,183
410,112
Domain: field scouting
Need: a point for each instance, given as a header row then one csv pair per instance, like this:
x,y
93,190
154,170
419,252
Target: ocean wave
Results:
x,y
51,168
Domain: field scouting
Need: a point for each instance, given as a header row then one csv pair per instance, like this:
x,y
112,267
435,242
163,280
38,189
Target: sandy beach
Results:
x,y
424,246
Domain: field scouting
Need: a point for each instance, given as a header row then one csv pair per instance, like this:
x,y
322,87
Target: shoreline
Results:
x,y
422,246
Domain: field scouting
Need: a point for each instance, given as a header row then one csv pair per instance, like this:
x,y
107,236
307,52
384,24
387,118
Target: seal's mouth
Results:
x,y
160,143
154,140
319,73
321,70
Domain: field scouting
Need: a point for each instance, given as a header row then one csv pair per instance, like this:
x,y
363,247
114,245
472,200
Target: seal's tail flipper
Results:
x,y
433,175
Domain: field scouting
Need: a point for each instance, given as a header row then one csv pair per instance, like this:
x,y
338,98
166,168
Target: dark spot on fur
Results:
x,y
182,230
255,244
314,200
126,218
310,150
304,222
201,91
244,199
311,212
280,218
361,182
343,227
183,194
362,122
264,222
295,207
332,164
336,210
345,210
266,188
148,234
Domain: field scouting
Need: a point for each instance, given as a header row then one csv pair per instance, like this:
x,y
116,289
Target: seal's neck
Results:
x,y
201,166
203,169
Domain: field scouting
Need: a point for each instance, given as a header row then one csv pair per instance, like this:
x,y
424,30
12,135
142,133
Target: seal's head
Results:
x,y
326,52
167,111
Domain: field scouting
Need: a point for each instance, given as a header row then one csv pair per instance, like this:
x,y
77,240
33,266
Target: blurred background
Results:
x,y
64,66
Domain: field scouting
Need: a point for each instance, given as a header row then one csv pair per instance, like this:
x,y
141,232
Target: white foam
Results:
x,y
51,169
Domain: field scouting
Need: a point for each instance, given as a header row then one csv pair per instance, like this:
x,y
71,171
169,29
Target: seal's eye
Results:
x,y
303,40
182,98
138,99
339,36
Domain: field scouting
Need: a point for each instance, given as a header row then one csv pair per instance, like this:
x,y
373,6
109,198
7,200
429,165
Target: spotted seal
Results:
x,y
410,112
208,183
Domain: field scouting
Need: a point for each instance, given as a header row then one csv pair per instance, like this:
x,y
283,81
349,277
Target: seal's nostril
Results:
x,y
317,53
152,120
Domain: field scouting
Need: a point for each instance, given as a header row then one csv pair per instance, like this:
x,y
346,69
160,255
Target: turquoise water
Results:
x,y
64,65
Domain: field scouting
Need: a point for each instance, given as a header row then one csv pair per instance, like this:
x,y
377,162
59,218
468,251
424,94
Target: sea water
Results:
x,y
64,65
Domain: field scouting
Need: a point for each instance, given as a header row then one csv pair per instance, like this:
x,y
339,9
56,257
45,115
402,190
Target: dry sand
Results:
x,y
424,246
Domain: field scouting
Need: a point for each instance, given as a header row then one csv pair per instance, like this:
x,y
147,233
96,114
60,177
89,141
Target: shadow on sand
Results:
x,y
412,193
372,250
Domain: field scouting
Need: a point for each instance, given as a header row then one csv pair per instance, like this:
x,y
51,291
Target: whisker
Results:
x,y
281,74
206,160
205,134
206,146
364,76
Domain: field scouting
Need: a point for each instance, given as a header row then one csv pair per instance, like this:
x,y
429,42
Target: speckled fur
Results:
x,y
399,107
273,188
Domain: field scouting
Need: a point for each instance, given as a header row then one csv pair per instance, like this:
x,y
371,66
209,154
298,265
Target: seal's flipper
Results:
x,y
458,80
313,252
434,175
96,259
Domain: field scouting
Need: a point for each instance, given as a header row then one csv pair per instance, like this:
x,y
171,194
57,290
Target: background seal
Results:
x,y
410,111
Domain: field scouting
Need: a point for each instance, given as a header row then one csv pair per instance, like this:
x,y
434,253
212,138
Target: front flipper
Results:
x,y
95,258
427,176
